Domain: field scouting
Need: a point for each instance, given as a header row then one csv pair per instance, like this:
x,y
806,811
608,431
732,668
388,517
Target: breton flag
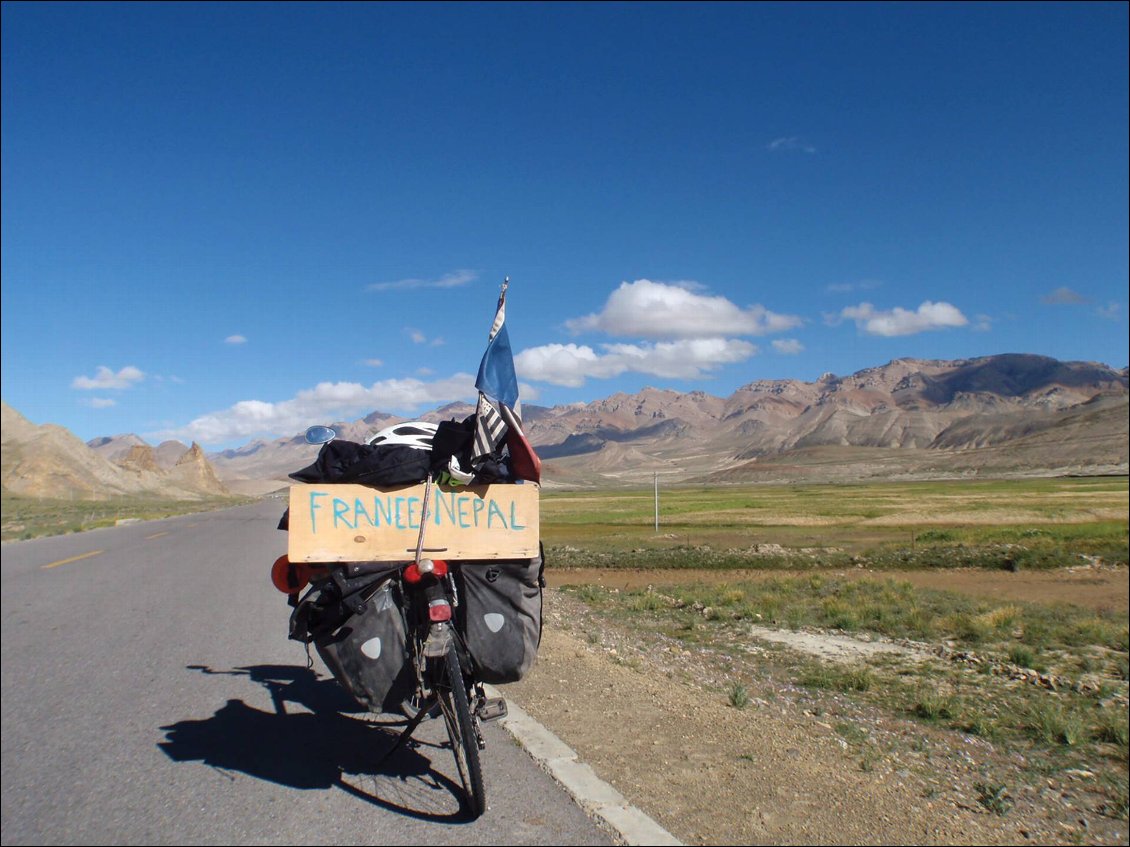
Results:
x,y
498,410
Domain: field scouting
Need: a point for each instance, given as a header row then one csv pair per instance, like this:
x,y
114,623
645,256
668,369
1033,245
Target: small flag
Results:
x,y
496,377
498,387
490,430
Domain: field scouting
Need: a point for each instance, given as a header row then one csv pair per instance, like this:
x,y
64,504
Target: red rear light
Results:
x,y
439,610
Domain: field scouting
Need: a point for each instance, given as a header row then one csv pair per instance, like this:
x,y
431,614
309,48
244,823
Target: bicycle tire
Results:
x,y
452,695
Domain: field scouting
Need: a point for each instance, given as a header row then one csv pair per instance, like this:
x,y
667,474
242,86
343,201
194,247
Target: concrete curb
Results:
x,y
590,792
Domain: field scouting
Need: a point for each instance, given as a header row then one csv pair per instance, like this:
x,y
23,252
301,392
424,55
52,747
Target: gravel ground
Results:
x,y
653,718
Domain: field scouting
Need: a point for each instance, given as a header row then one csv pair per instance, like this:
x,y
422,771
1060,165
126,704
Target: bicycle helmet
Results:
x,y
418,434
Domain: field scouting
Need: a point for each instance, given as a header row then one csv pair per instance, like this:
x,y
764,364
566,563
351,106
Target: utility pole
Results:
x,y
657,503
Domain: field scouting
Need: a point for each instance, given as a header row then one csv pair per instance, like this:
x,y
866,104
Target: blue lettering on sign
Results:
x,y
314,506
493,510
381,510
464,510
444,505
341,509
359,511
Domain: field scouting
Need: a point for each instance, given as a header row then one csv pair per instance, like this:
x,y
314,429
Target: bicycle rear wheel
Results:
x,y
452,694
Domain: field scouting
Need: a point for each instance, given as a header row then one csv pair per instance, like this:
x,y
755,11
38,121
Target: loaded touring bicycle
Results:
x,y
420,558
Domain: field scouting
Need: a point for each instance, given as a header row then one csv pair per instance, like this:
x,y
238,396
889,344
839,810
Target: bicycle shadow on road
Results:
x,y
314,748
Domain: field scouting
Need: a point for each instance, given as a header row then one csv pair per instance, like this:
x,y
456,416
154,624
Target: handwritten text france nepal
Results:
x,y
398,511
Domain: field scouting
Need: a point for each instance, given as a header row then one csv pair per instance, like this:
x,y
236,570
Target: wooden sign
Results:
x,y
358,523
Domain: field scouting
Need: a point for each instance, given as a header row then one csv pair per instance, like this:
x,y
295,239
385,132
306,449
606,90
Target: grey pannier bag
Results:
x,y
357,626
499,615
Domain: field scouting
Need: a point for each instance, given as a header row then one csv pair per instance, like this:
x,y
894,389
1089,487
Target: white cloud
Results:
x,y
373,363
790,142
848,287
416,336
327,401
454,279
99,402
899,321
1064,296
572,364
787,346
235,339
105,378
983,323
649,309
1110,311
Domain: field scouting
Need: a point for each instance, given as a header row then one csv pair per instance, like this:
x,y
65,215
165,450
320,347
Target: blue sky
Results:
x,y
223,221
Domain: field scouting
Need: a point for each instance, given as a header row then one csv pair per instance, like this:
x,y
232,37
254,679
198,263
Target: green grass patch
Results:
x,y
993,797
28,517
1055,723
1006,631
1000,524
738,696
837,678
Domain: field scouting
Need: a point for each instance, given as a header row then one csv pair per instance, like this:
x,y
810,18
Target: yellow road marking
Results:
x,y
158,535
72,559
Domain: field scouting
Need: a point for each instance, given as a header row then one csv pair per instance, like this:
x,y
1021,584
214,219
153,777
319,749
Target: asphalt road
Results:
x,y
150,696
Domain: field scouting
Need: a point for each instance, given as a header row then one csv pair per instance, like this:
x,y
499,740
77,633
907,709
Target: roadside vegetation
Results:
x,y
1044,684
33,517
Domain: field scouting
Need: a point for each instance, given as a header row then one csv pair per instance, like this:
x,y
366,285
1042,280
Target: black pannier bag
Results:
x,y
499,616
357,626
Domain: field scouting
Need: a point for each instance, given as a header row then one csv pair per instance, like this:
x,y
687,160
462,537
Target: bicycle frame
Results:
x,y
444,672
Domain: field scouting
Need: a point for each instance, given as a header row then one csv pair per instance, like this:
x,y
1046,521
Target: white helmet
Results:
x,y
418,434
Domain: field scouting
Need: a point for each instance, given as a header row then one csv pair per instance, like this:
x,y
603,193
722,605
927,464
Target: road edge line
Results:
x,y
595,796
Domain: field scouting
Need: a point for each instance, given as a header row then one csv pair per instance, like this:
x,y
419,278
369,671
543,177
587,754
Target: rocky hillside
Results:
x,y
49,461
1007,414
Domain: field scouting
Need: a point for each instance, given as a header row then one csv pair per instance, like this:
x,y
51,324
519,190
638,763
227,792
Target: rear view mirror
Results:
x,y
320,434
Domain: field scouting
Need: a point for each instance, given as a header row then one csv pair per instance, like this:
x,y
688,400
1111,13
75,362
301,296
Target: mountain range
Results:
x,y
50,461
994,415
1003,415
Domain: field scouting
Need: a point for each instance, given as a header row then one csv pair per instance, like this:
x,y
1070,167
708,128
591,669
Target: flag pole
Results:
x,y
498,310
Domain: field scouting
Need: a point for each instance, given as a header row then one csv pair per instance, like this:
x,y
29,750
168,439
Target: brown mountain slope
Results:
x,y
49,461
1092,438
115,447
140,457
168,453
194,472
